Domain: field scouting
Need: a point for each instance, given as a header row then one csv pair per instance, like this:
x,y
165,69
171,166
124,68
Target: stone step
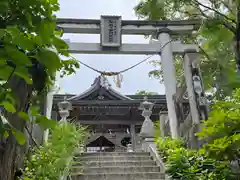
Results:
x,y
112,158
119,176
114,163
116,169
113,154
117,163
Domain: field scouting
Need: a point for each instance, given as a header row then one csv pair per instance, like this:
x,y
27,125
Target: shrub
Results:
x,y
183,163
52,160
221,130
212,161
166,145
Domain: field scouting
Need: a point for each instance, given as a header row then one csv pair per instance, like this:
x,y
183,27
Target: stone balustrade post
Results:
x,y
164,123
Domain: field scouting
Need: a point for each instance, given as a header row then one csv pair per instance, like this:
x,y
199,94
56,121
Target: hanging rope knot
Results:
x,y
117,77
104,73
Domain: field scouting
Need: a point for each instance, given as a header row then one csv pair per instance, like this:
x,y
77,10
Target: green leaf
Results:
x,y
61,46
26,178
20,39
5,134
3,6
45,123
18,57
5,72
20,136
2,61
24,42
10,98
46,31
22,71
50,59
23,115
29,18
2,33
34,110
8,106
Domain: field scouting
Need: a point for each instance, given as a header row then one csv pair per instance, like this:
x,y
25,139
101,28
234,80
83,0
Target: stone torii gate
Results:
x,y
111,29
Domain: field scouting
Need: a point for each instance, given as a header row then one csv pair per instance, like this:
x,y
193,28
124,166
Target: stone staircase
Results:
x,y
116,166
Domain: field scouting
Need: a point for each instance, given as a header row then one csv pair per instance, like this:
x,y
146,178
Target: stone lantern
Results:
x,y
147,129
64,108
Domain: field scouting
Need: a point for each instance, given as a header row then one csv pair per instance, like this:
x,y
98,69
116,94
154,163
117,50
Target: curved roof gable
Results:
x,y
100,90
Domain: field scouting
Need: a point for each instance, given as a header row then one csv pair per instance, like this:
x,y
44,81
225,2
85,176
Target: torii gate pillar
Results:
x,y
169,77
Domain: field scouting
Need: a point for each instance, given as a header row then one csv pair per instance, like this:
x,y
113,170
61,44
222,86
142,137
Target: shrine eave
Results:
x,y
134,99
114,102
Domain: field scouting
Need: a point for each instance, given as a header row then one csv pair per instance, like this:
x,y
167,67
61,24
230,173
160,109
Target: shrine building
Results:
x,y
114,120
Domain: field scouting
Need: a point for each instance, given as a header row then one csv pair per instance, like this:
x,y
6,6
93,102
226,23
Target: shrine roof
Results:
x,y
102,92
100,89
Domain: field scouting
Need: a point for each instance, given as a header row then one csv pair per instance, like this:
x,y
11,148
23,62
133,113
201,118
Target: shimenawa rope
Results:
x,y
118,75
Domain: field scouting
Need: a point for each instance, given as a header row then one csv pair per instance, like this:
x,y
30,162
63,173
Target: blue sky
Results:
x,y
133,80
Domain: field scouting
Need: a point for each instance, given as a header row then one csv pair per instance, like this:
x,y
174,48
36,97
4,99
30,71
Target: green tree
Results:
x,y
215,37
29,58
143,92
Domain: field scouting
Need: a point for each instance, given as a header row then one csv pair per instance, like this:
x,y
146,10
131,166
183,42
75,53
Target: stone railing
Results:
x,y
149,146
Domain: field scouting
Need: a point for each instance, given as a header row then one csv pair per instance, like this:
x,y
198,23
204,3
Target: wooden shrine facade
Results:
x,y
106,111
101,104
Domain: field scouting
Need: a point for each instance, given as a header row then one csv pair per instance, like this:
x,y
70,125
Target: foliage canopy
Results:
x,y
215,37
30,49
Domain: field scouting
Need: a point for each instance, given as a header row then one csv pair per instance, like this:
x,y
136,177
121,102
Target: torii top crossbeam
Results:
x,y
92,26
111,34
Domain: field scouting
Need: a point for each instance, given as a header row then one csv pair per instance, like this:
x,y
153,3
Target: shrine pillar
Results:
x,y
195,89
196,97
169,77
133,136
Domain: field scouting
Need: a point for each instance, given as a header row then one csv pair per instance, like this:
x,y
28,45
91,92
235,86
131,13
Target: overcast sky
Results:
x,y
133,80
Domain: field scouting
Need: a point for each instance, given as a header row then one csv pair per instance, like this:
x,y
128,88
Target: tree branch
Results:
x,y
221,22
214,10
30,134
204,52
228,7
230,27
